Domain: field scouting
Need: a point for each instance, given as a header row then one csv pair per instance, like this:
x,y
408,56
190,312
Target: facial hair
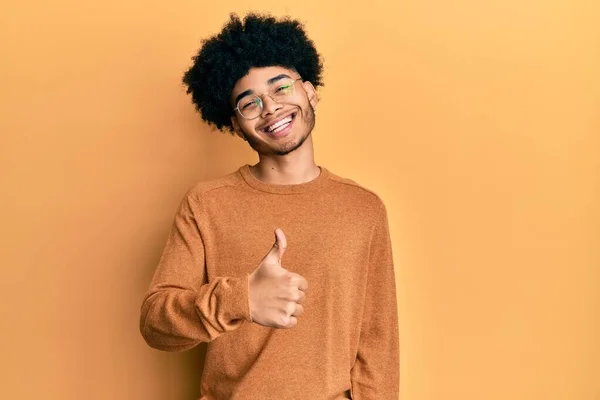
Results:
x,y
288,147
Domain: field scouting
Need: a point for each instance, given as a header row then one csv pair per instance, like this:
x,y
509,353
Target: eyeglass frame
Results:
x,y
261,100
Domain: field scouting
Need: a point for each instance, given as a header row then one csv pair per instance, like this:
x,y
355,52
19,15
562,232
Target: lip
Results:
x,y
275,120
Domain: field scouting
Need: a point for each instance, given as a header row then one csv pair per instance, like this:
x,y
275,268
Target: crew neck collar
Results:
x,y
257,184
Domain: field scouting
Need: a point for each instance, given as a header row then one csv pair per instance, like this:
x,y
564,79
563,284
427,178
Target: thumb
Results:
x,y
276,253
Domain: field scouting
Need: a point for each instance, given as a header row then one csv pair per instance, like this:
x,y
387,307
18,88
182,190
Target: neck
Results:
x,y
294,168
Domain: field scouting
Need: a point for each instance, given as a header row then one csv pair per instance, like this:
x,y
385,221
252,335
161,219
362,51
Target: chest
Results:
x,y
327,244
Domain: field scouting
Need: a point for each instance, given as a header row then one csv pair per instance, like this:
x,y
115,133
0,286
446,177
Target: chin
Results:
x,y
290,146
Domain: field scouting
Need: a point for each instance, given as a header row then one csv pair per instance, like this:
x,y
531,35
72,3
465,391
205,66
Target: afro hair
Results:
x,y
258,41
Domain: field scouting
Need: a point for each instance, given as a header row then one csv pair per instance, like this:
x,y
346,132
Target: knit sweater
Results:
x,y
346,343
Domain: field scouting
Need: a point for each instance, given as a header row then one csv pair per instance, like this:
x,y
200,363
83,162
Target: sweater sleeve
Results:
x,y
181,309
376,371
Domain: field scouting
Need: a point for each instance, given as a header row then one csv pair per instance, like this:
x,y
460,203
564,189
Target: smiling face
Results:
x,y
287,116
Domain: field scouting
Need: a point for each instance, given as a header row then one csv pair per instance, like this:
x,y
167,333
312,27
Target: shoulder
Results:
x,y
208,187
357,192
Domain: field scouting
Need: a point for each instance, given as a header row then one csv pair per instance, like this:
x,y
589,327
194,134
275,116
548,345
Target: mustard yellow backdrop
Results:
x,y
477,122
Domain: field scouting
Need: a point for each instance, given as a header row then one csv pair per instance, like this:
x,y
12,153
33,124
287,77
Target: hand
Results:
x,y
276,295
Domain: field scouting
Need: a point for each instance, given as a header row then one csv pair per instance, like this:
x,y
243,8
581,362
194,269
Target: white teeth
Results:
x,y
279,129
276,125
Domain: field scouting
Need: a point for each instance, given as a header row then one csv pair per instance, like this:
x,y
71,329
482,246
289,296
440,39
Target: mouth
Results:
x,y
280,127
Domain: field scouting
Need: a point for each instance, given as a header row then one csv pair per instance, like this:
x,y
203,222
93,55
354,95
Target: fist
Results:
x,y
276,294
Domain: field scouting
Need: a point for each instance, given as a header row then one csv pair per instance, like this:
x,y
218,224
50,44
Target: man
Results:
x,y
222,279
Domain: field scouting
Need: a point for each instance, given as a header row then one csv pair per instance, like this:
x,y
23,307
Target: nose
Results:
x,y
269,105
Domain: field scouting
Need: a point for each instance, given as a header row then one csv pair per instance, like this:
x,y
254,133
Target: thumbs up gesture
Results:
x,y
276,295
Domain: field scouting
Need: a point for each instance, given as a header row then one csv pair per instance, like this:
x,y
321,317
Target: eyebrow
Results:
x,y
269,82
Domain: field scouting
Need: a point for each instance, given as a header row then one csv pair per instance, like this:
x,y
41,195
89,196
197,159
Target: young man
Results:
x,y
244,249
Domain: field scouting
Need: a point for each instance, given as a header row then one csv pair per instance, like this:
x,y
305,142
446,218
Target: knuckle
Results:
x,y
290,308
301,296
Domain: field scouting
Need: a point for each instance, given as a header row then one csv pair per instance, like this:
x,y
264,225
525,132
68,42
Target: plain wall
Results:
x,y
476,122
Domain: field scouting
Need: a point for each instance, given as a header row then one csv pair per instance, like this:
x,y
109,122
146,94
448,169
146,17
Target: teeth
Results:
x,y
278,124
279,129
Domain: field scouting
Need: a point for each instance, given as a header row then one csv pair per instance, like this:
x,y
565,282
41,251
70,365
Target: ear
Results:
x,y
236,127
313,98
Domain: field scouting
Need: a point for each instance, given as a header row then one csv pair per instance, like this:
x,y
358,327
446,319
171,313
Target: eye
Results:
x,y
251,103
284,88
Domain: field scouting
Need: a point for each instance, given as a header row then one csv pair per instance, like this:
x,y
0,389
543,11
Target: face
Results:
x,y
283,124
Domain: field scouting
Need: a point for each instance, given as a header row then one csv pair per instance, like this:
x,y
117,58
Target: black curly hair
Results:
x,y
259,41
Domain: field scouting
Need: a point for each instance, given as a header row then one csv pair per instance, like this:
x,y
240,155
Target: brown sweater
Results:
x,y
337,238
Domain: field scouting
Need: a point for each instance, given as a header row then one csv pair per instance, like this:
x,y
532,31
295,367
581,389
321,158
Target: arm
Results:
x,y
181,310
376,372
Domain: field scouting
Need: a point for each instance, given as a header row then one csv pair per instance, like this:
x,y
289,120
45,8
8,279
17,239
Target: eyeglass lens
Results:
x,y
251,106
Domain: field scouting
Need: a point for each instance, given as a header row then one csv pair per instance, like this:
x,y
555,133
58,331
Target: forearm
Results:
x,y
376,371
177,319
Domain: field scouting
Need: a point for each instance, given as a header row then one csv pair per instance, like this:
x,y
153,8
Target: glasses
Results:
x,y
251,107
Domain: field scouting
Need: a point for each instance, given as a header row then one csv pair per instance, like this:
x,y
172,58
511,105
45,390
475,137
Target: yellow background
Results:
x,y
476,122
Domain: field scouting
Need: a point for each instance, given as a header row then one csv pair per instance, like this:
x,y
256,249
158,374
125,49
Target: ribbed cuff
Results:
x,y
234,293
